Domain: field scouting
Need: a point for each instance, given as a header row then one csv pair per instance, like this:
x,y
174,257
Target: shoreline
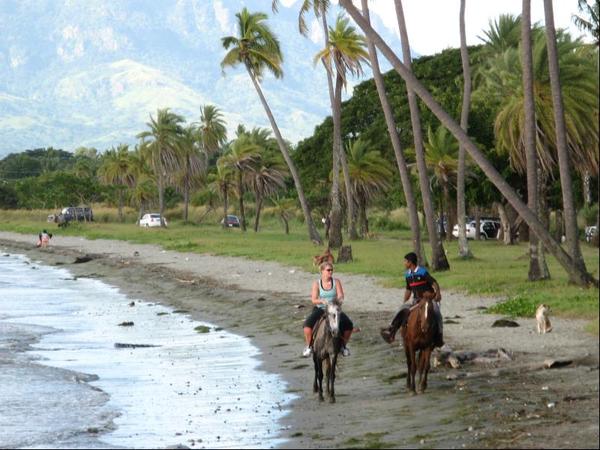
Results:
x,y
262,301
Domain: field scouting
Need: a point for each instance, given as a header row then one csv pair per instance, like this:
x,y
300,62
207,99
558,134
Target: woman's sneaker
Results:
x,y
345,351
307,351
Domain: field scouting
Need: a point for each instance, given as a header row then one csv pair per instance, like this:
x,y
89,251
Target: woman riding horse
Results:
x,y
326,290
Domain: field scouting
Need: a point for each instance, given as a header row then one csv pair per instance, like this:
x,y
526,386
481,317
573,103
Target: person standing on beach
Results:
x,y
326,290
43,239
420,284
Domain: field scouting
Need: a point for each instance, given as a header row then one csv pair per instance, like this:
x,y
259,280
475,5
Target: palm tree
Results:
x,y
564,162
345,53
241,157
461,209
438,256
588,21
390,121
538,269
144,187
441,157
504,33
212,130
269,172
193,165
163,155
115,171
257,48
267,177
582,278
284,209
221,183
370,174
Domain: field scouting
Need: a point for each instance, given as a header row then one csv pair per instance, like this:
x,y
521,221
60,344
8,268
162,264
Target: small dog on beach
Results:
x,y
325,257
543,320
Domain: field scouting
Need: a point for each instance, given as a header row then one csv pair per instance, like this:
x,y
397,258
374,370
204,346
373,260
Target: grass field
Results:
x,y
496,270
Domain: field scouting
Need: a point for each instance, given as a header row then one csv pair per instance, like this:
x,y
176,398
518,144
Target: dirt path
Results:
x,y
503,403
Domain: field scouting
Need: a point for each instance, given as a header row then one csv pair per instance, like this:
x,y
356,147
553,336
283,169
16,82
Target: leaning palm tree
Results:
x,y
438,255
115,171
461,208
390,121
344,54
577,275
161,150
370,174
193,166
241,157
258,50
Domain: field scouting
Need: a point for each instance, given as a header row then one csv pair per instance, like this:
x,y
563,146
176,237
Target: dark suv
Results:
x,y
74,213
232,221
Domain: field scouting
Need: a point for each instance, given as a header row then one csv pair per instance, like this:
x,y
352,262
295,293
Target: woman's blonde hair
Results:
x,y
325,265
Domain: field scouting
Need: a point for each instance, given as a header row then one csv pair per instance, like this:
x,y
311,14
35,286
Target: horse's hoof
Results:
x,y
412,392
332,400
321,398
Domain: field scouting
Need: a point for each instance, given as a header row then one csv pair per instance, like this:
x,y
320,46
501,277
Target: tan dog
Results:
x,y
543,319
325,257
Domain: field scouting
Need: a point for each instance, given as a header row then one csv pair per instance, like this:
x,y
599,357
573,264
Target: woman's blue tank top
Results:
x,y
327,294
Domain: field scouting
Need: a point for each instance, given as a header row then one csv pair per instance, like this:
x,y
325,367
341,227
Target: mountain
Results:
x,y
89,73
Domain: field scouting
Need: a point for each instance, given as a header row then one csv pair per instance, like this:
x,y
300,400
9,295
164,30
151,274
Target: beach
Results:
x,y
494,403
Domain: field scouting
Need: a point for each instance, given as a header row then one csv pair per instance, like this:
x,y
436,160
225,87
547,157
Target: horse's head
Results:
x,y
334,310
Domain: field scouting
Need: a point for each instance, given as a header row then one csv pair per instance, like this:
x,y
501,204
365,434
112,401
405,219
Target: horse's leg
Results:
x,y
320,374
328,374
407,353
421,367
413,368
332,378
426,357
316,382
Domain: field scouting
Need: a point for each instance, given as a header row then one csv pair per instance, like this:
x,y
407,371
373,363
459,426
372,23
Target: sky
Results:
x,y
431,33
90,72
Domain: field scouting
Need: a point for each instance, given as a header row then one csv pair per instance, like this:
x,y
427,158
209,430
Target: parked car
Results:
x,y
72,213
232,221
151,220
488,229
590,232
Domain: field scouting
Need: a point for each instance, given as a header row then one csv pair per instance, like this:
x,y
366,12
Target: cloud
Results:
x,y
315,32
16,57
222,15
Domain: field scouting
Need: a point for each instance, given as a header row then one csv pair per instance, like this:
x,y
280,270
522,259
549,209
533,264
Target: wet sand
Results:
x,y
498,404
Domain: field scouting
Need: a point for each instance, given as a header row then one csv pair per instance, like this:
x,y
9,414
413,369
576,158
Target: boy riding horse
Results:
x,y
420,284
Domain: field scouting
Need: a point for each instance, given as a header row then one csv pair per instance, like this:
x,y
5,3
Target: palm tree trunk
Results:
x,y
241,200
461,208
449,214
564,164
285,224
186,202
225,205
587,191
335,231
259,202
390,121
576,274
161,197
438,255
120,206
313,234
350,215
535,268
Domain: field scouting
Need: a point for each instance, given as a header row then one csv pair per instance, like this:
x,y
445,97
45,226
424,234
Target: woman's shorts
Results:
x,y
316,313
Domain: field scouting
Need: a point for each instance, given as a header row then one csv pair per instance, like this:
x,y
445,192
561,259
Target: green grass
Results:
x,y
496,270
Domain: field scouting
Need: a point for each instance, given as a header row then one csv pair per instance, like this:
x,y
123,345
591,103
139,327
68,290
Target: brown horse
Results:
x,y
419,335
327,343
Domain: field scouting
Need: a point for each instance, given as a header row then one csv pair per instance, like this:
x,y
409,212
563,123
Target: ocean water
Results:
x,y
63,383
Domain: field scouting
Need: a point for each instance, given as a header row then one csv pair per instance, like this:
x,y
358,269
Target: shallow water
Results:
x,y
204,389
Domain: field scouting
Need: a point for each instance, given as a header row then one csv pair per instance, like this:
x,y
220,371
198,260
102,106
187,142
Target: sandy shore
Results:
x,y
502,403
